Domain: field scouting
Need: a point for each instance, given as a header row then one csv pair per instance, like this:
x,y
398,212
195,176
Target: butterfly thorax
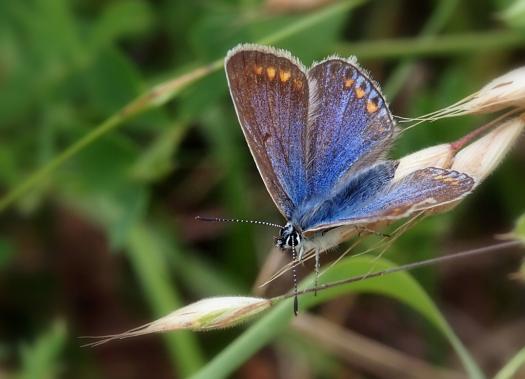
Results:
x,y
290,237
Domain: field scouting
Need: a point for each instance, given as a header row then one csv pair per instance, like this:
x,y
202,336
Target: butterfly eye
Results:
x,y
292,240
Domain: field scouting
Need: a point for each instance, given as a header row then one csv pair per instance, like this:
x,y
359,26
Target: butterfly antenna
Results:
x,y
218,219
294,279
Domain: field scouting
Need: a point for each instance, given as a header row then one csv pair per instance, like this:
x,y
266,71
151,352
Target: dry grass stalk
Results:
x,y
206,314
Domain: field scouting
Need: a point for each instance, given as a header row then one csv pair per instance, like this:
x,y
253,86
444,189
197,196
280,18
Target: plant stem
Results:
x,y
451,44
511,367
407,267
309,21
45,171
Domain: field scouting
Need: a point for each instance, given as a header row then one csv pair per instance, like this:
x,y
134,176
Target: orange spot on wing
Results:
x,y
258,69
270,71
452,181
359,92
348,83
371,107
284,75
298,84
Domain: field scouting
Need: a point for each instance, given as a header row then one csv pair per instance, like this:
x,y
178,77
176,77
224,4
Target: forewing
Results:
x,y
270,91
350,125
423,189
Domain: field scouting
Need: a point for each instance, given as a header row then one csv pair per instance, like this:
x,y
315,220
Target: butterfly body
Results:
x,y
319,137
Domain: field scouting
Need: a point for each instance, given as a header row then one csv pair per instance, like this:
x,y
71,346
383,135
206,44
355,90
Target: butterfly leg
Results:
x,y
302,250
317,267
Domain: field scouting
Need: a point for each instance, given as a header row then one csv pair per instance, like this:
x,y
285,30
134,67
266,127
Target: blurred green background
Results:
x,y
104,239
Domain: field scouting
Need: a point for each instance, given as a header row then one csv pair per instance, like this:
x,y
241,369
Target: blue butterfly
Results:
x,y
319,138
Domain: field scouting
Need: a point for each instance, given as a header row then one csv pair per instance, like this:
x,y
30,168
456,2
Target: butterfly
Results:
x,y
319,137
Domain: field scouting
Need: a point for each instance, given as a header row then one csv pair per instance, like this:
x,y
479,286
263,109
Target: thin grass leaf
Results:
x,y
41,359
446,45
511,368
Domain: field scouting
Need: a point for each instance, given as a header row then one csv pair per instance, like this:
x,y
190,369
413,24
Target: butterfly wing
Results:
x,y
270,91
359,189
350,125
423,189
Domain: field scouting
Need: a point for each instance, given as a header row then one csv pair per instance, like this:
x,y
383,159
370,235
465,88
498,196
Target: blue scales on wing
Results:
x,y
360,189
422,189
350,125
270,92
349,129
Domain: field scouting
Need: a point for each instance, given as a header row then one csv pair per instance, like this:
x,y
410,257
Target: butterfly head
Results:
x,y
290,237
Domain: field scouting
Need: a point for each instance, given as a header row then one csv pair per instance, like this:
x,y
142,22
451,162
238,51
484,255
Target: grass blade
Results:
x,y
511,368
